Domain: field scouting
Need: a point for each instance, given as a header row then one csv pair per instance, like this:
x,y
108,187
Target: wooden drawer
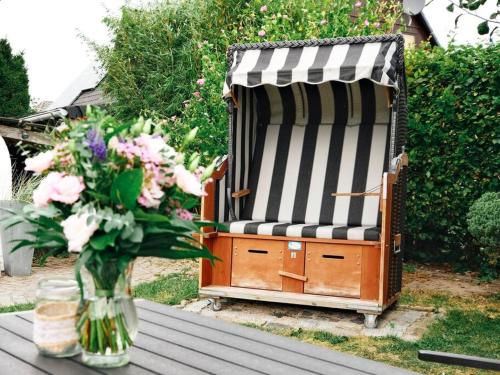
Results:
x,y
333,269
256,263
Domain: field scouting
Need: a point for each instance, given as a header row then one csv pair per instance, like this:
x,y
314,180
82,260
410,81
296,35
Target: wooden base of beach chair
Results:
x,y
341,274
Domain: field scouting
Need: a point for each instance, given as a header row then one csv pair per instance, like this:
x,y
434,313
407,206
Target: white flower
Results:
x,y
40,162
63,127
78,231
188,182
113,143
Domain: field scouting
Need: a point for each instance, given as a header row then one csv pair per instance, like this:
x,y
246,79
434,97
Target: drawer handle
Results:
x,y
258,251
333,256
292,275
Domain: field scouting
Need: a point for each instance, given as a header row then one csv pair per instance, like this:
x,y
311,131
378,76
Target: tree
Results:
x,y
15,99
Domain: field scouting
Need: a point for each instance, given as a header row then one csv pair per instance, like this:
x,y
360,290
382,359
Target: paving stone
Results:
x,y
394,322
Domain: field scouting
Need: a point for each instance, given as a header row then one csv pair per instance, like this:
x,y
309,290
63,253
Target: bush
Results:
x,y
453,147
161,50
484,224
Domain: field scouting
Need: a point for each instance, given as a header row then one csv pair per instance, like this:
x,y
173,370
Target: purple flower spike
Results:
x,y
96,144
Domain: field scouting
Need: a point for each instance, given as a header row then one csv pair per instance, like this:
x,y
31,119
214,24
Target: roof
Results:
x,y
92,96
88,79
315,61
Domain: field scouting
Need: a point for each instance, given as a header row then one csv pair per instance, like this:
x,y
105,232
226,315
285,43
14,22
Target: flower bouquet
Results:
x,y
113,192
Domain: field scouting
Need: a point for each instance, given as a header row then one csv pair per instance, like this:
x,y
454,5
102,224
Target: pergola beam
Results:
x,y
12,132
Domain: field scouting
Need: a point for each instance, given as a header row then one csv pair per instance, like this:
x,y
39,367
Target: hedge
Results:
x,y
454,144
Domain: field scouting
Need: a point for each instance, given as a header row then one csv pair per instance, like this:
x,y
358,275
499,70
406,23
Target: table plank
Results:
x,y
172,341
295,362
295,347
142,361
13,365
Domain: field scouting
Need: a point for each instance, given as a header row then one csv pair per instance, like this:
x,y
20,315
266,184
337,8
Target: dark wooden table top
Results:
x,y
172,341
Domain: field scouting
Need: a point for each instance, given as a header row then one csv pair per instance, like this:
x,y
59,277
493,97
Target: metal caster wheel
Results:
x,y
215,304
371,320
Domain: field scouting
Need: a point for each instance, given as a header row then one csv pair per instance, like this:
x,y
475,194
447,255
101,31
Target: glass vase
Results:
x,y
108,322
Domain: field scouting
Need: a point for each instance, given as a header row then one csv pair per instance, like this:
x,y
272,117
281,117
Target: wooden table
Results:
x,y
173,341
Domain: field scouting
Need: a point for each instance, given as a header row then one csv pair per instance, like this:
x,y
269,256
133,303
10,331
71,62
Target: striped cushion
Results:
x,y
338,143
366,233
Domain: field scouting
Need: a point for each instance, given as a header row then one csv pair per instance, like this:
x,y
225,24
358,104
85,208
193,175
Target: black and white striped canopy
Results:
x,y
283,66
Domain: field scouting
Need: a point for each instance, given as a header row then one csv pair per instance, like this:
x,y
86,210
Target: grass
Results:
x,y
169,290
15,308
459,331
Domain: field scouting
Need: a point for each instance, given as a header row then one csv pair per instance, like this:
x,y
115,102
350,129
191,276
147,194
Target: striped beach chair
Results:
x,y
311,193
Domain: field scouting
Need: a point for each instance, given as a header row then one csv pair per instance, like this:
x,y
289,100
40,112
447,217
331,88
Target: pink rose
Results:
x,y
376,24
263,8
197,94
358,4
200,82
58,187
68,189
78,231
42,194
40,162
151,195
323,22
367,23
187,182
261,33
184,214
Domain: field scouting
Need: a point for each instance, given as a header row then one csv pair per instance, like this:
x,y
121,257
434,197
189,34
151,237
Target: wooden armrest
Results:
x,y
240,193
292,275
362,194
402,162
220,172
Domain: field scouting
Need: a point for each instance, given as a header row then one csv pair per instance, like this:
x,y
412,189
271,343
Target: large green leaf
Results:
x,y
102,241
126,188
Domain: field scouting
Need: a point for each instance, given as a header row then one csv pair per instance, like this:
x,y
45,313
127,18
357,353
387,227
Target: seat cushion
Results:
x,y
365,233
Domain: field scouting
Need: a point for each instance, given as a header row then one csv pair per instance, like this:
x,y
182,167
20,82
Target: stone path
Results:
x,y
400,322
15,290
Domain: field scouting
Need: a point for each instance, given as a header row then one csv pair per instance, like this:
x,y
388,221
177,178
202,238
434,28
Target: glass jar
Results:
x,y
54,326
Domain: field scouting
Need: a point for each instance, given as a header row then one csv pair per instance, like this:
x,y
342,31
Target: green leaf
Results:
x,y
450,8
140,215
103,241
126,188
483,28
104,199
137,235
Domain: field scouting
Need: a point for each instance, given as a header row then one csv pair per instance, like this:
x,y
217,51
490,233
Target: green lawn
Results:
x,y
170,290
15,308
